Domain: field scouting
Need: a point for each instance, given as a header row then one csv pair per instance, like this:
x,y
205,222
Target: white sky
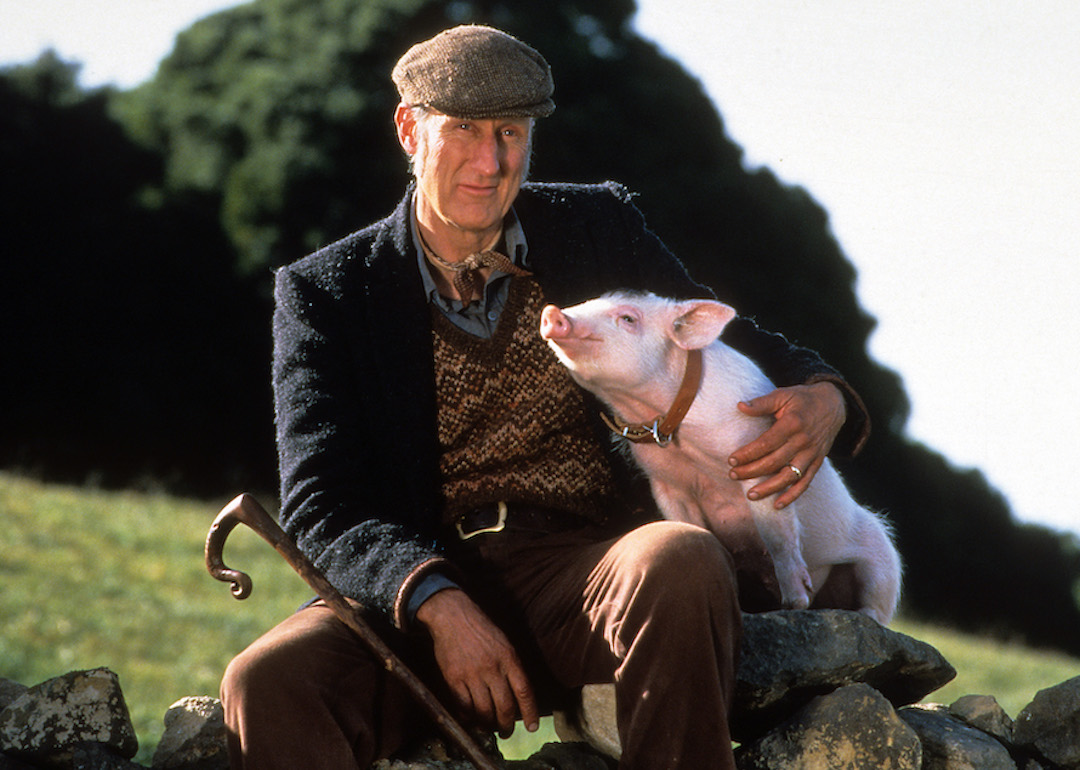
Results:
x,y
943,138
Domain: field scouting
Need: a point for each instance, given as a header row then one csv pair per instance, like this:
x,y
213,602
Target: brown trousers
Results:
x,y
655,611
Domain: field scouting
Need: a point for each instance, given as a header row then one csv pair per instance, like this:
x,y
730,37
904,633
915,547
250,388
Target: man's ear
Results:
x,y
698,323
405,122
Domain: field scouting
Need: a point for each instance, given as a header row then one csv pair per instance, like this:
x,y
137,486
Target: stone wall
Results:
x,y
820,689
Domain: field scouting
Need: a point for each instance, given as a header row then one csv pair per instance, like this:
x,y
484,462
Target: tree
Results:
x,y
282,109
110,299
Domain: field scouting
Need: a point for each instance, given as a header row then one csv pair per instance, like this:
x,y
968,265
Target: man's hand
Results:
x,y
807,420
478,662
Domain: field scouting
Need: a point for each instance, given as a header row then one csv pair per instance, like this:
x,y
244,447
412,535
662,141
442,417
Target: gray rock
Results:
x,y
593,722
56,716
1050,724
853,728
95,756
985,713
9,691
950,744
194,737
421,764
437,754
569,756
791,656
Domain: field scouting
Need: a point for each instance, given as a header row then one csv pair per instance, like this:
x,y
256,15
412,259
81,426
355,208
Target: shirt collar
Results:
x,y
513,241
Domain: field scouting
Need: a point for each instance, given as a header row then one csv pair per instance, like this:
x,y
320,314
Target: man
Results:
x,y
439,466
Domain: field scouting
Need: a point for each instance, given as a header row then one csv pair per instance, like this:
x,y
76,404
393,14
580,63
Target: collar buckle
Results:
x,y
662,430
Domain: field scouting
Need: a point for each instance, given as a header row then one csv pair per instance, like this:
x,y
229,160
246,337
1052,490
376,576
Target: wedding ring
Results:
x,y
798,473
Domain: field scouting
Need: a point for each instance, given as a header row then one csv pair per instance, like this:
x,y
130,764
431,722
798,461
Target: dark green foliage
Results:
x,y
283,110
130,346
143,226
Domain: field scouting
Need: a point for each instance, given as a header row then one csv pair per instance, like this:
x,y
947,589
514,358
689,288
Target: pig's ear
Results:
x,y
697,324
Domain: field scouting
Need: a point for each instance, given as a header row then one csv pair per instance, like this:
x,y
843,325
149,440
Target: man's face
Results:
x,y
468,172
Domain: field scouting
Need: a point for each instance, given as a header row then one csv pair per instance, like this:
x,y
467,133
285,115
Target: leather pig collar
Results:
x,y
662,429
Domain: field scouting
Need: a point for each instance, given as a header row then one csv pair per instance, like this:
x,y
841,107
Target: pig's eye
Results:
x,y
627,319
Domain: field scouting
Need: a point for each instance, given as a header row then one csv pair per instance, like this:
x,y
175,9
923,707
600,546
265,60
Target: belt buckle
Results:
x,y
498,526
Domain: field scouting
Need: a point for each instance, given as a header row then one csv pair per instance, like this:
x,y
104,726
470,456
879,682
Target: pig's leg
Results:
x,y
877,569
780,532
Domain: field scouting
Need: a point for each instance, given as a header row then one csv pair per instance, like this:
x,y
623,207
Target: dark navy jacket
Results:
x,y
353,376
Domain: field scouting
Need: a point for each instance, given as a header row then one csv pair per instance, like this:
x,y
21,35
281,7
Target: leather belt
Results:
x,y
495,517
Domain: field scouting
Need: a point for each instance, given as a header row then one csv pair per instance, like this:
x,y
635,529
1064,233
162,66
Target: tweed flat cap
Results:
x,y
476,72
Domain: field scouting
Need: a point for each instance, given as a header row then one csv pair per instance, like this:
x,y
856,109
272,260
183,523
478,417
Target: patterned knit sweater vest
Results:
x,y
512,423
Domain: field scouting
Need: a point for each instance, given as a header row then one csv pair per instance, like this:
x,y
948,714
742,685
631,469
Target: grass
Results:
x,y
116,579
1011,672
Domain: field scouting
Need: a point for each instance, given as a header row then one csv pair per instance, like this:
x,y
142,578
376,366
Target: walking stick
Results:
x,y
247,509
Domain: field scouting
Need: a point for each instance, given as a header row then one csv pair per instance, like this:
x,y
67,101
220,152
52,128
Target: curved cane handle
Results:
x,y
231,515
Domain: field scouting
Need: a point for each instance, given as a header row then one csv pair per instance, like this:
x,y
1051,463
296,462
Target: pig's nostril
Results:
x,y
553,322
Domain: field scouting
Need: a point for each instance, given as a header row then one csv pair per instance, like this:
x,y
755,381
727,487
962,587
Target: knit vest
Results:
x,y
512,423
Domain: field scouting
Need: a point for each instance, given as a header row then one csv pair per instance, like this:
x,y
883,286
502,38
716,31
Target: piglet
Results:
x,y
632,350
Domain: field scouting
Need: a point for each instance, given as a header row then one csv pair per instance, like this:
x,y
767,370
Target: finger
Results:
x,y
793,492
790,495
464,699
762,406
526,701
770,451
768,464
514,697
483,708
756,457
505,707
784,478
771,485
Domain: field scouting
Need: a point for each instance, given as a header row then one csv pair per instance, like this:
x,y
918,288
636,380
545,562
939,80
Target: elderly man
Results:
x,y
440,467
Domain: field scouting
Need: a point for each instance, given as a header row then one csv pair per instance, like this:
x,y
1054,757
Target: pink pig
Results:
x,y
631,350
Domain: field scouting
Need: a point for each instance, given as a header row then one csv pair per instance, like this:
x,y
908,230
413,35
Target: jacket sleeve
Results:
x,y
330,469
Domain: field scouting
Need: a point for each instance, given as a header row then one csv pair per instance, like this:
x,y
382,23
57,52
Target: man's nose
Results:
x,y
488,155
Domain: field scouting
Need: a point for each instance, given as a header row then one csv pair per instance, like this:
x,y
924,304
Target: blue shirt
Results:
x,y
479,318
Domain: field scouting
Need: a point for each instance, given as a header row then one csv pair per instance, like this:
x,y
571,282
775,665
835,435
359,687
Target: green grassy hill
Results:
x,y
116,579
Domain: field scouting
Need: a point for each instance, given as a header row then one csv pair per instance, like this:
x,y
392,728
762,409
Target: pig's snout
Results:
x,y
554,324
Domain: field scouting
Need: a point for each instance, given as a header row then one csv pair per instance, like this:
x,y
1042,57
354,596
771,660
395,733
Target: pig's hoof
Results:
x,y
796,594
796,603
798,599
875,614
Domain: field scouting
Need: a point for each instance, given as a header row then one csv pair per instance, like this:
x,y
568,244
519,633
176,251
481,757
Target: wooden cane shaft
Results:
x,y
245,508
